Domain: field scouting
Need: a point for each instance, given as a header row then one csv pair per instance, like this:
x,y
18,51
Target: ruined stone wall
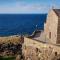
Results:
x,y
32,48
31,42
51,27
34,43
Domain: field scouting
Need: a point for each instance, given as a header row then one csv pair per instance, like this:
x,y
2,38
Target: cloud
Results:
x,y
24,8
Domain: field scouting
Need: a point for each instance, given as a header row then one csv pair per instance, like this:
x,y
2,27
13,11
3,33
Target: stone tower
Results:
x,y
52,27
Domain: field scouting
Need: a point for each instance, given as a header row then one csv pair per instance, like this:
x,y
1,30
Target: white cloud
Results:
x,y
24,8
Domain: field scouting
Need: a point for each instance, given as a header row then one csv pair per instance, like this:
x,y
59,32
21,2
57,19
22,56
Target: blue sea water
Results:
x,y
12,24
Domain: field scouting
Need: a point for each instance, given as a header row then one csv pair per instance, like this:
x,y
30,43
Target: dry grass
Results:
x,y
12,39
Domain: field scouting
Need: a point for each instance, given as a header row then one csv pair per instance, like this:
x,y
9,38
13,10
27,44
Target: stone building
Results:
x,y
52,27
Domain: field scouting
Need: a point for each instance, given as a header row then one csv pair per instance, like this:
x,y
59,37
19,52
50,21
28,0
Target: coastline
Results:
x,y
16,38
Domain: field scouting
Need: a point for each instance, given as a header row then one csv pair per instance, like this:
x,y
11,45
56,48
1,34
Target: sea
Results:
x,y
17,24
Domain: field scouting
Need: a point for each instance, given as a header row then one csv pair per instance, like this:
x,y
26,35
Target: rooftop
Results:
x,y
57,11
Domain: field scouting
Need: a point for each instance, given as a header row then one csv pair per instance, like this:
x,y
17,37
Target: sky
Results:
x,y
27,6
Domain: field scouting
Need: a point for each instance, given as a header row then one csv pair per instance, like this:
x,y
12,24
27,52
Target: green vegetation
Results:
x,y
7,58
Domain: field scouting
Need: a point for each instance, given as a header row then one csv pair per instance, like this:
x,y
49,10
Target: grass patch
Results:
x,y
7,58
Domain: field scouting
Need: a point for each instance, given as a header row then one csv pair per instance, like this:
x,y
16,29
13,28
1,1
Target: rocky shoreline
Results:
x,y
11,46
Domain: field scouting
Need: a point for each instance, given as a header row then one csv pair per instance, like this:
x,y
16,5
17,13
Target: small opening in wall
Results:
x,y
55,53
36,49
50,35
58,59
